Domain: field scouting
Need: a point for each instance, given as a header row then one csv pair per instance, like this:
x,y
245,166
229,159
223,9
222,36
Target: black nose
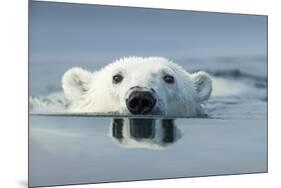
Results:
x,y
140,102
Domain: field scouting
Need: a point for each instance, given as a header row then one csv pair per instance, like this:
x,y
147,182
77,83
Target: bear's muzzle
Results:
x,y
140,100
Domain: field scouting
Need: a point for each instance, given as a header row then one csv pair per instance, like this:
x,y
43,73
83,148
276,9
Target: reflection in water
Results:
x,y
78,149
144,133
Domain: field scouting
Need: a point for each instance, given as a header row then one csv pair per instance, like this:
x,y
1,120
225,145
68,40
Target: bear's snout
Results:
x,y
140,101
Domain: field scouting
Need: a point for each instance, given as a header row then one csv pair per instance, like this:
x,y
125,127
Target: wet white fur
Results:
x,y
95,92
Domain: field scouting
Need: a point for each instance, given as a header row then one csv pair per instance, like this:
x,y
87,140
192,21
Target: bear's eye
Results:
x,y
117,78
169,79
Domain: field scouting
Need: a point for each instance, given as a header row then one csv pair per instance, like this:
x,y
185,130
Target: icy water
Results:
x,y
70,149
91,149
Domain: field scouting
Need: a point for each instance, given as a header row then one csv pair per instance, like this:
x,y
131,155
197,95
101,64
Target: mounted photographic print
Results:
x,y
124,94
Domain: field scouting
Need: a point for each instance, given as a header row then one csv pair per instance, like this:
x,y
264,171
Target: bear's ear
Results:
x,y
76,82
203,85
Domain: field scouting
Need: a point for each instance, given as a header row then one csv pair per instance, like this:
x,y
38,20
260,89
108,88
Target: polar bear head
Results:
x,y
136,85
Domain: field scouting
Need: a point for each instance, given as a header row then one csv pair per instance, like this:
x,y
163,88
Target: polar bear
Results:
x,y
136,85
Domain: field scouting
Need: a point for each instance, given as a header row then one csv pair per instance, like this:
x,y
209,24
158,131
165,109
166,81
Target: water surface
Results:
x,y
90,149
70,150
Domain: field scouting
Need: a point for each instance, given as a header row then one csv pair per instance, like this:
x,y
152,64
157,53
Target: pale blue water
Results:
x,y
65,150
73,150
